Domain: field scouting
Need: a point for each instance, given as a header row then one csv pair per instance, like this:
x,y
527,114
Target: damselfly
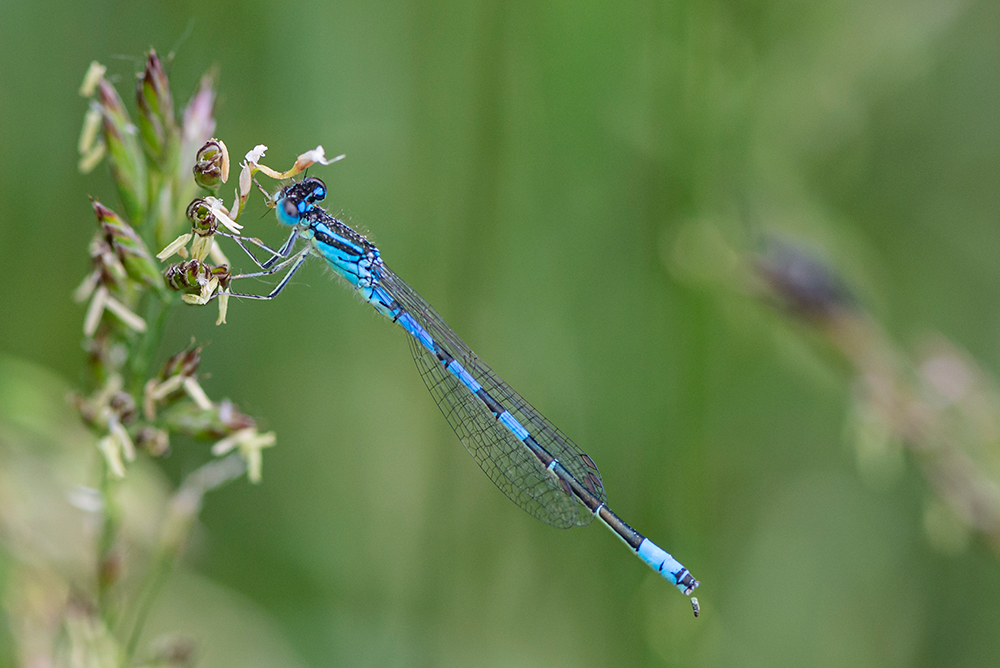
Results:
x,y
525,455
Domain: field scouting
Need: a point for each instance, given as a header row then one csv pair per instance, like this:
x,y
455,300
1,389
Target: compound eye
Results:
x,y
291,210
317,189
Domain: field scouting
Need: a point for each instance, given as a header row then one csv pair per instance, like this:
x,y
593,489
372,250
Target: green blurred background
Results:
x,y
529,167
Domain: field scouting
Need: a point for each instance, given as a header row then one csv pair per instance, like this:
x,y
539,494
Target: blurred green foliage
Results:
x,y
531,168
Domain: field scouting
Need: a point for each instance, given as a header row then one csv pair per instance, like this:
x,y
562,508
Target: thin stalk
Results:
x,y
110,522
157,311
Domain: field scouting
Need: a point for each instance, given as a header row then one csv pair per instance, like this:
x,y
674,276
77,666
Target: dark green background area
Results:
x,y
529,168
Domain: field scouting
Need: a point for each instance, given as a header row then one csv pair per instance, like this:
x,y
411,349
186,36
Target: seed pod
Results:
x,y
211,167
184,363
203,221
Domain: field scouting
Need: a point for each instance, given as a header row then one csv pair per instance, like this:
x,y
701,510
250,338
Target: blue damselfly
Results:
x,y
524,454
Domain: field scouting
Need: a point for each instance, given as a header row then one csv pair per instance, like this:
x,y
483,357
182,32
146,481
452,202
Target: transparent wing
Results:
x,y
501,455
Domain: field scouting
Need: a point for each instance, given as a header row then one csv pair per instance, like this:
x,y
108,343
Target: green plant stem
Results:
x,y
111,521
157,311
154,583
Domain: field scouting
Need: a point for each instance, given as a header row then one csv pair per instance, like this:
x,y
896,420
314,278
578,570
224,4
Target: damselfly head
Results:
x,y
292,202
